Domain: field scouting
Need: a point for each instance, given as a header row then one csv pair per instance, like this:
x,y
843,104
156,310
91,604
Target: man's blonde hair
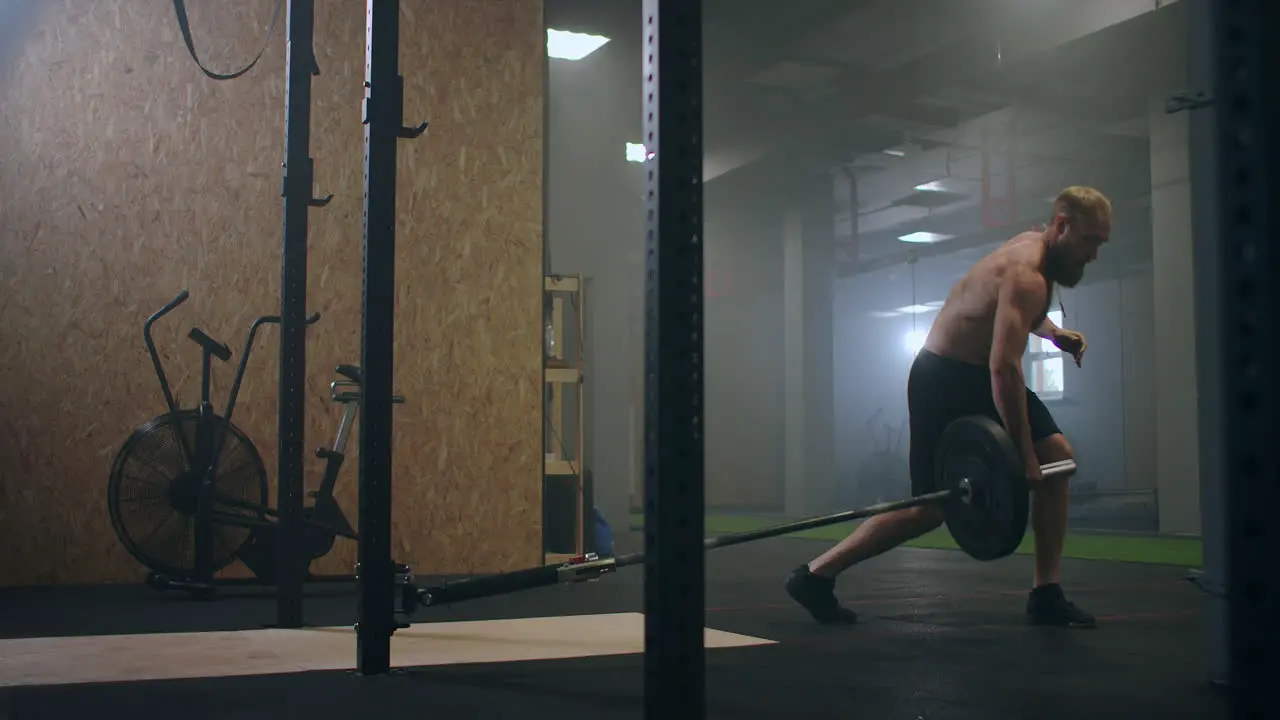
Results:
x,y
1082,203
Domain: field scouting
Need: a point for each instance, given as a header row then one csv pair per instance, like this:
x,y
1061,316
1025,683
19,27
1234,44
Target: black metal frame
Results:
x,y
1246,162
382,118
296,189
382,111
674,596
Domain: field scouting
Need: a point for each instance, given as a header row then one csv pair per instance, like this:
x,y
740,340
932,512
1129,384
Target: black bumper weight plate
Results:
x,y
990,520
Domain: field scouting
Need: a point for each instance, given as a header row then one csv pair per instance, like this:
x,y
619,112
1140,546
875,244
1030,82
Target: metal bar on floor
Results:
x,y
383,101
674,562
296,189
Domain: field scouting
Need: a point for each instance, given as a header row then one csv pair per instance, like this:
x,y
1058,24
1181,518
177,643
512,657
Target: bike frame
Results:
x,y
211,434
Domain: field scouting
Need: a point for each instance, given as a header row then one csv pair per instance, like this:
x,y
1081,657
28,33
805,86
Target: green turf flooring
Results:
x,y
1185,552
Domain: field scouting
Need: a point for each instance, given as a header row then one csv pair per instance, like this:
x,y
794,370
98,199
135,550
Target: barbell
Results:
x,y
982,489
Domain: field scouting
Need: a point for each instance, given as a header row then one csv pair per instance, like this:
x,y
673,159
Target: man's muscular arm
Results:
x,y
1022,293
1046,329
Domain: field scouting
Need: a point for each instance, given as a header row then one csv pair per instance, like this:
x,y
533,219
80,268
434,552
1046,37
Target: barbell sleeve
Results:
x,y
590,567
1061,467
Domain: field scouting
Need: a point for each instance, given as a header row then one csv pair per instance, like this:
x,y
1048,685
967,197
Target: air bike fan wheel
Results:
x,y
152,495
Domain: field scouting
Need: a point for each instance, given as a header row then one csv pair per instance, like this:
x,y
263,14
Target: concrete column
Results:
x,y
613,362
793,320
819,386
809,417
1137,357
1177,420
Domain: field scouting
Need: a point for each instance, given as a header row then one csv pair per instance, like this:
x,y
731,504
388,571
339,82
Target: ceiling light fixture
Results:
x,y
917,309
923,237
637,153
935,186
565,45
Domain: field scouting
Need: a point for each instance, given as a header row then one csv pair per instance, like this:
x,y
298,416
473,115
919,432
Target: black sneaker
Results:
x,y
817,595
1048,605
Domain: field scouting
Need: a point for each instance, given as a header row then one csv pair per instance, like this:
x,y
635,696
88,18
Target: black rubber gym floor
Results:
x,y
942,636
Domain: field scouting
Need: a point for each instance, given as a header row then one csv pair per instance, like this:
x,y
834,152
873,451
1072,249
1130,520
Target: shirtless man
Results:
x,y
971,363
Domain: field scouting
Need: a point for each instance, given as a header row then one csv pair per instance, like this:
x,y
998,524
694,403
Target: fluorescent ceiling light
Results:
x,y
935,186
565,45
917,309
636,153
896,153
923,237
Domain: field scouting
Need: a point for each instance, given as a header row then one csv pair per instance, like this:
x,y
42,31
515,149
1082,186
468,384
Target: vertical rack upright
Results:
x,y
296,188
674,481
383,119
1243,160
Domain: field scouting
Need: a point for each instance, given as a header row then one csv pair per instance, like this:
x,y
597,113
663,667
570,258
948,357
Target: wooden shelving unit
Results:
x,y
564,332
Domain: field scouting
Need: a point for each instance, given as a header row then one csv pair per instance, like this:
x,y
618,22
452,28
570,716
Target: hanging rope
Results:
x,y
180,8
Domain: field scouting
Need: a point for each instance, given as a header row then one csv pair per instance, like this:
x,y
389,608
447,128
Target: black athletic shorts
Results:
x,y
939,390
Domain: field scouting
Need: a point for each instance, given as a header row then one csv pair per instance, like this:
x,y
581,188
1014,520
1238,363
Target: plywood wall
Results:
x,y
127,175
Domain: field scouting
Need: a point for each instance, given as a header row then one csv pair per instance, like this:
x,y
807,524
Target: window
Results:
x,y
1046,365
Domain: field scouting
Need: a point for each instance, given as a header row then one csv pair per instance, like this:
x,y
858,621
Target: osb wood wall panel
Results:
x,y
127,175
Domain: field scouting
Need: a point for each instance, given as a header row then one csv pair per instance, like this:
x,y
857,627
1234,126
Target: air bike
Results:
x,y
188,491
